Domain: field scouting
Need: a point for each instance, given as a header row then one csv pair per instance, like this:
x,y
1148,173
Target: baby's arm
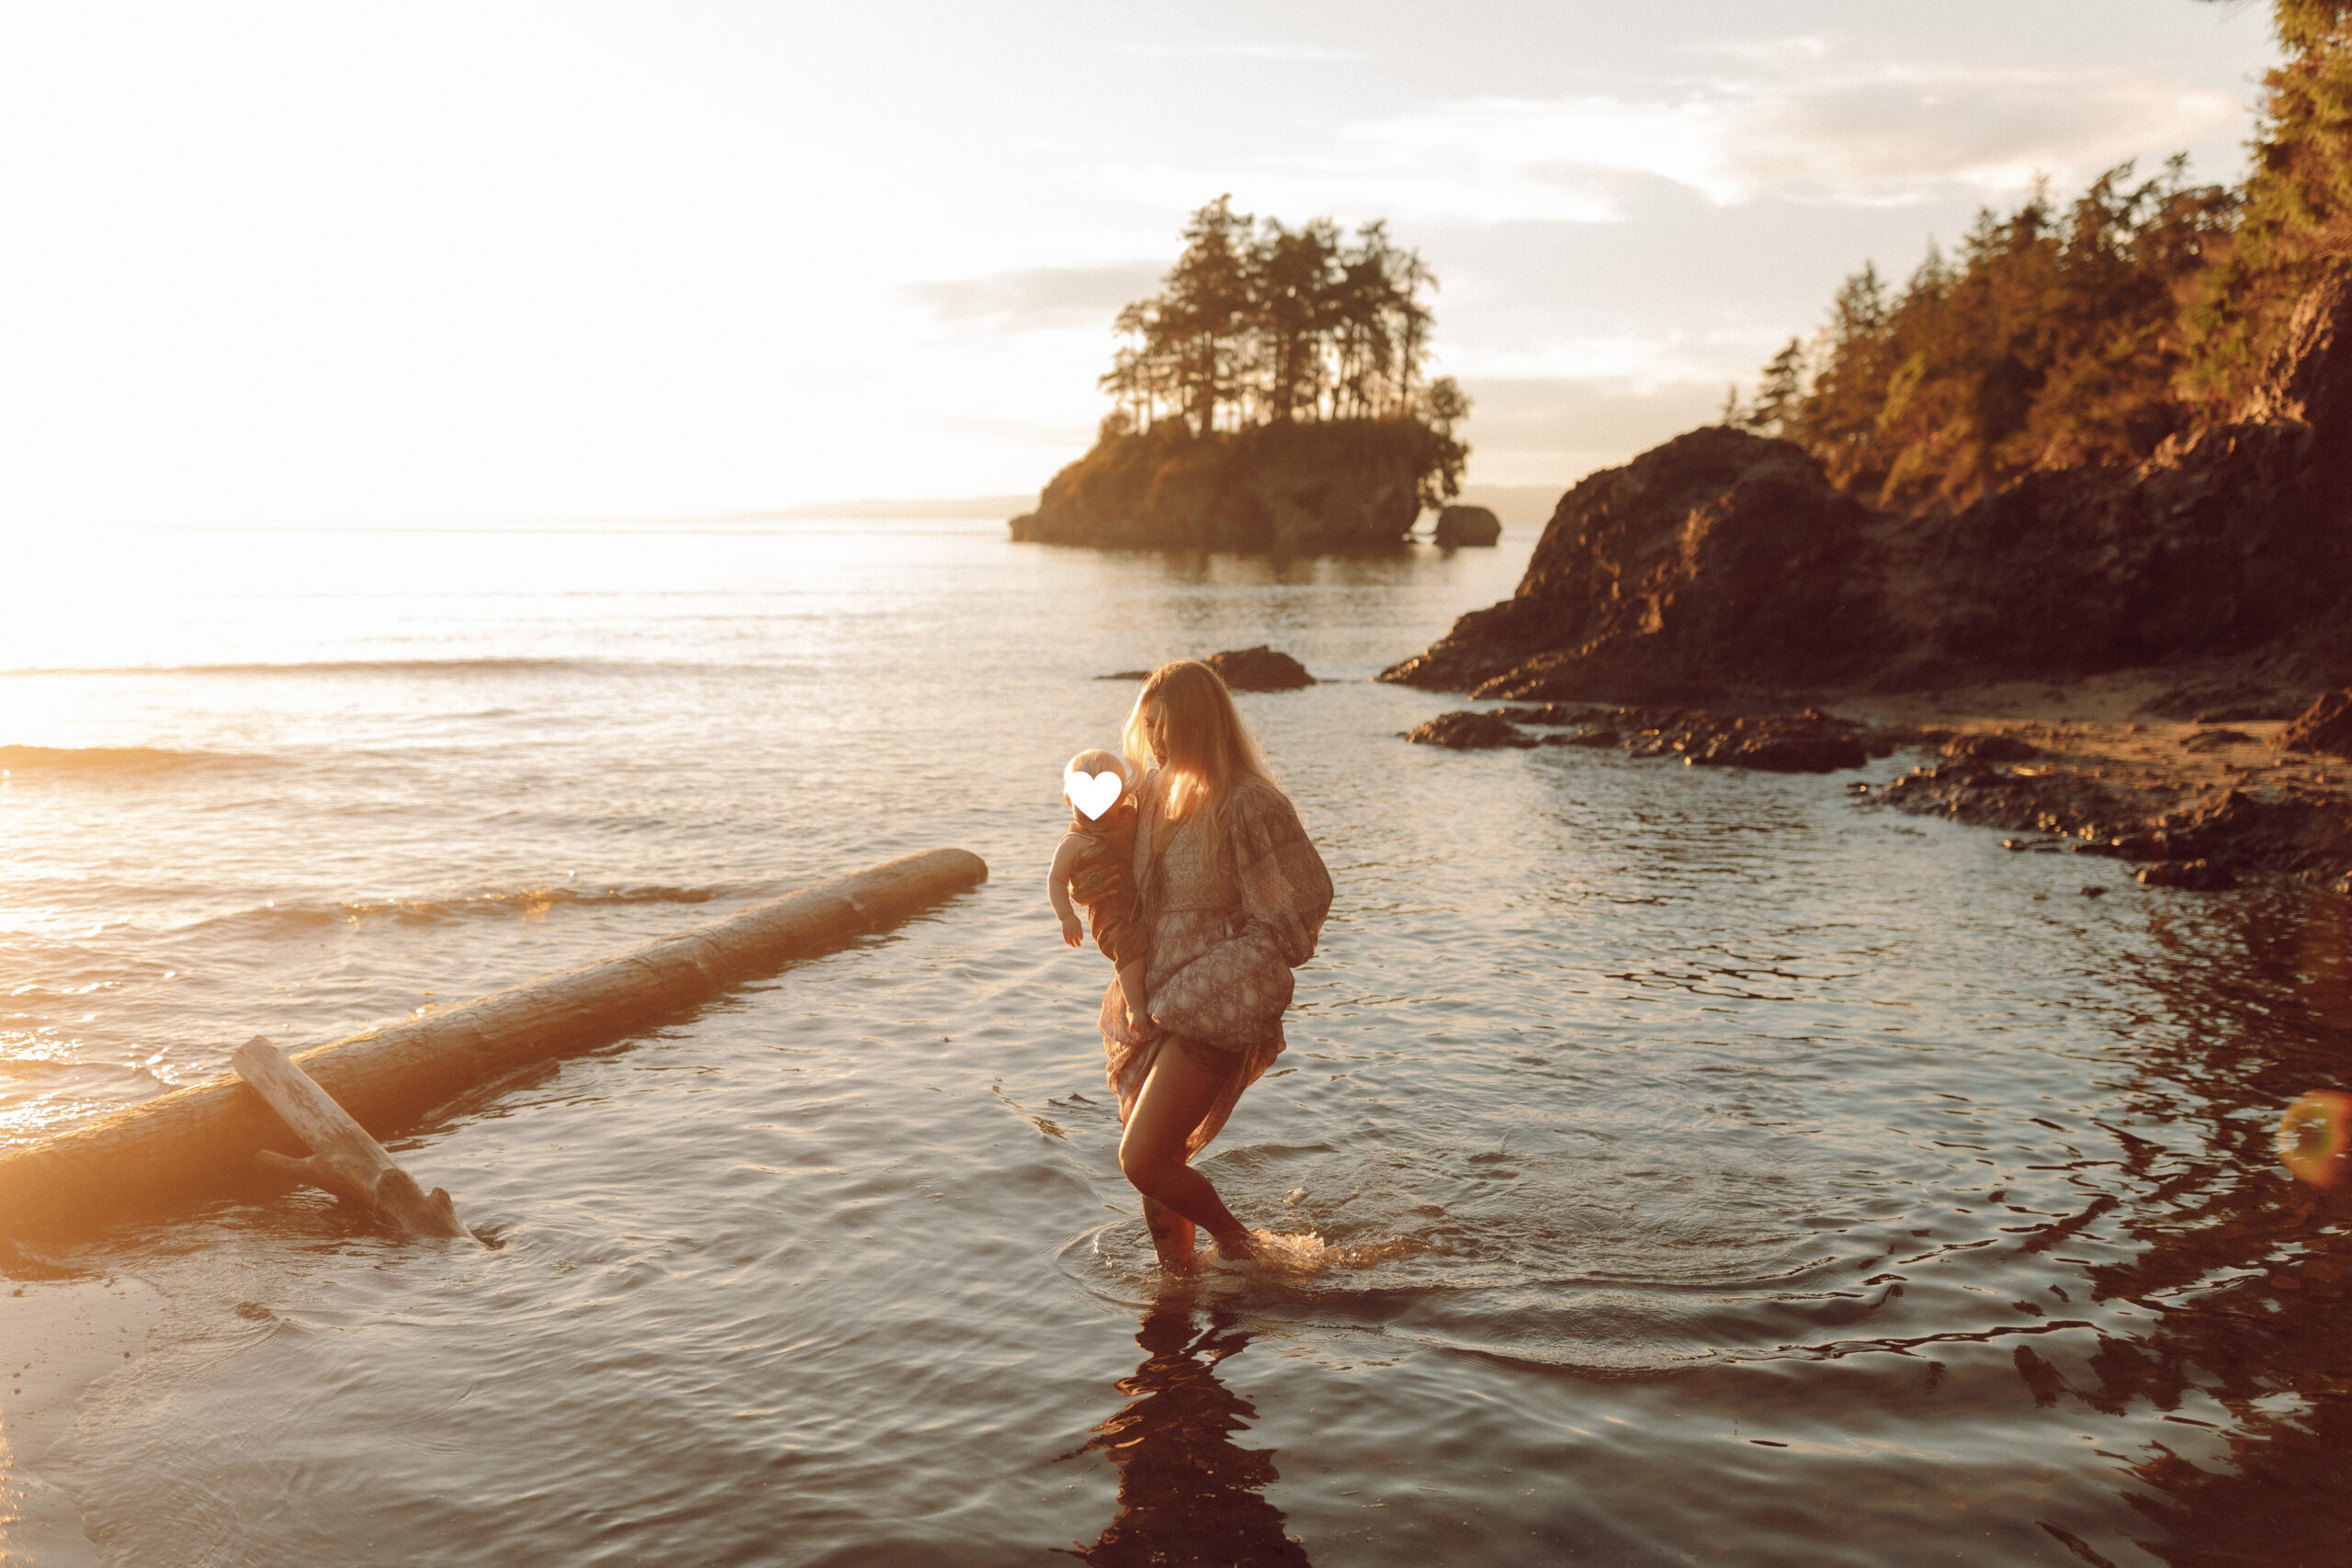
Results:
x,y
1066,855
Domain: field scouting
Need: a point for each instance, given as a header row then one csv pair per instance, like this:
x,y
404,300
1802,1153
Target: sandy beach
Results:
x,y
61,1337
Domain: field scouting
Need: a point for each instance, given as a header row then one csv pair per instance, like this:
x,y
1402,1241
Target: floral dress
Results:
x,y
1225,931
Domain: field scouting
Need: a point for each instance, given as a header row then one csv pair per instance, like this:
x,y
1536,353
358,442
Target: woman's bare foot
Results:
x,y
1236,1246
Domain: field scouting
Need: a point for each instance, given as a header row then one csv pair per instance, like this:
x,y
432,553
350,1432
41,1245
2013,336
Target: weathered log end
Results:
x,y
344,1159
399,1197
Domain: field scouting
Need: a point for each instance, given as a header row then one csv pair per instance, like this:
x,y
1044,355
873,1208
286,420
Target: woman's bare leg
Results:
x,y
1176,1095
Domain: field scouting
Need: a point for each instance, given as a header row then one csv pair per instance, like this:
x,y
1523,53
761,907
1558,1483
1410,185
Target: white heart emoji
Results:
x,y
1093,792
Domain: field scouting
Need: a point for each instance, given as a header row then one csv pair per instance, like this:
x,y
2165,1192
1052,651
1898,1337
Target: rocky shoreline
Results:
x,y
2087,770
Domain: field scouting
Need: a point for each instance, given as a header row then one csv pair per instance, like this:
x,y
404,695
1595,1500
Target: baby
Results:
x,y
1095,865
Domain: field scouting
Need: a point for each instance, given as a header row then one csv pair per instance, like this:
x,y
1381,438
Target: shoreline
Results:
x,y
2195,803
2087,766
65,1336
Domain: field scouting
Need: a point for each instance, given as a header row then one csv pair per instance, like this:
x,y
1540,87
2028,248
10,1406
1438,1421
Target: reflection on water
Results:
x,y
1188,1492
1707,1170
2249,1272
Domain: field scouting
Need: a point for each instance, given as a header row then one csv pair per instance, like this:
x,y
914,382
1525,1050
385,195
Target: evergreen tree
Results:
x,y
1256,325
2298,207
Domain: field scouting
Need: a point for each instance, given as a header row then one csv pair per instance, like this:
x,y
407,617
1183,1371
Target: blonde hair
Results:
x,y
1205,749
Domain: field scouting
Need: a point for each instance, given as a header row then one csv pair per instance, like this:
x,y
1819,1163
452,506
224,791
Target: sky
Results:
x,y
322,263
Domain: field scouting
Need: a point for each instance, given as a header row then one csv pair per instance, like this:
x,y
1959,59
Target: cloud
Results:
x,y
1995,130
1890,134
1039,298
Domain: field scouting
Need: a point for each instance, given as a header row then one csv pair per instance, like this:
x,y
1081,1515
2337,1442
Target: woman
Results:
x,y
1231,896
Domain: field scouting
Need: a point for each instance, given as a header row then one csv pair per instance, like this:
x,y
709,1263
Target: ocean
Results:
x,y
1681,1165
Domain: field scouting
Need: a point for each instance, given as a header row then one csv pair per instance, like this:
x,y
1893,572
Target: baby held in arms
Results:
x,y
1094,866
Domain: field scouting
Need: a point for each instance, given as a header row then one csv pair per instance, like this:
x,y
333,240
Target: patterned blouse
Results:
x,y
1225,931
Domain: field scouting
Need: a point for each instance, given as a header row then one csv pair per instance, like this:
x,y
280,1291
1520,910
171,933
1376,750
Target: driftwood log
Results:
x,y
344,1159
200,1141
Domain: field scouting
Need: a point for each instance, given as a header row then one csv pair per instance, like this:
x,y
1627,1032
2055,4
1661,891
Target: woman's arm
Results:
x,y
1066,855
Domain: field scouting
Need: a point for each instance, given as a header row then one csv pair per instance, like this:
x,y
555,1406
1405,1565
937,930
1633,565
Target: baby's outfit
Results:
x,y
1102,880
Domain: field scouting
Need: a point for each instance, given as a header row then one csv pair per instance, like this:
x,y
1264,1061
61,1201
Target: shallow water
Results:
x,y
1685,1165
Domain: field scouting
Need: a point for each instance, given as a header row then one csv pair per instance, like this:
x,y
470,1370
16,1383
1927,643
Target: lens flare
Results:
x,y
2312,1136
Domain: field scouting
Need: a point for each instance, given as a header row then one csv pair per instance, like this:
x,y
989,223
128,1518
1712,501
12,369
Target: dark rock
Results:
x,y
1718,559
1468,730
1555,713
2140,847
2216,740
1783,752
1259,669
2191,875
2093,892
1127,675
1809,742
2325,727
1466,525
1600,737
1991,748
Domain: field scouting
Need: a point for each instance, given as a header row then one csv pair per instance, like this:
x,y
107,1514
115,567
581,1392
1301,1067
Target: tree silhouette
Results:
x,y
2059,339
2052,339
1259,324
2297,218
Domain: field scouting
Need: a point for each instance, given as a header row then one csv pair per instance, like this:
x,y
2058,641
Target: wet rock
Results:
x,y
1467,730
2190,875
1259,669
1555,713
2091,892
2325,727
1601,736
2216,740
1459,525
1991,748
1779,750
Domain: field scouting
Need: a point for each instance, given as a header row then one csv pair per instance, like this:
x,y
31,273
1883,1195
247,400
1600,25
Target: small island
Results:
x,y
1271,397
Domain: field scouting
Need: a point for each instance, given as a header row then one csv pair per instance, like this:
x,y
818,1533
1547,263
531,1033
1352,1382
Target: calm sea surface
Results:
x,y
1704,1169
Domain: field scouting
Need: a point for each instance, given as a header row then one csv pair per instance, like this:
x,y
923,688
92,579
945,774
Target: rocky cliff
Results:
x,y
1723,562
1334,485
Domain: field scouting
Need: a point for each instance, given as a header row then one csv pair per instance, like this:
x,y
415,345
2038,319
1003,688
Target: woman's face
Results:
x,y
1154,730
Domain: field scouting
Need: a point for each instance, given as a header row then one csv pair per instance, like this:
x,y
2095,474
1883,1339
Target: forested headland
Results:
x,y
1272,395
2110,433
2060,336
